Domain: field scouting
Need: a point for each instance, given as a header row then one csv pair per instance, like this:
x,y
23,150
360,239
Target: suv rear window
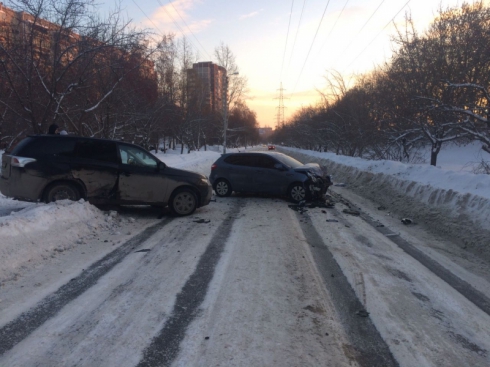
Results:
x,y
39,147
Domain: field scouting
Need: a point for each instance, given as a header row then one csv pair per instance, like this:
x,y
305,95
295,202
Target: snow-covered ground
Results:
x,y
31,232
449,199
41,242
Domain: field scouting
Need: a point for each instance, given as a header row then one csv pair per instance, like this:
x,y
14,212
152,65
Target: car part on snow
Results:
x,y
351,212
201,221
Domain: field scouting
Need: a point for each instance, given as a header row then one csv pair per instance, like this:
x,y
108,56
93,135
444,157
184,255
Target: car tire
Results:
x,y
297,192
222,188
183,202
62,191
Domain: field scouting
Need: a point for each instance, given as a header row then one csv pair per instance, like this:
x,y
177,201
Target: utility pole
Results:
x,y
225,111
280,108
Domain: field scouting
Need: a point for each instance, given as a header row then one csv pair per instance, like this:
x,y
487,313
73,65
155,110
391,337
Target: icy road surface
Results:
x,y
246,281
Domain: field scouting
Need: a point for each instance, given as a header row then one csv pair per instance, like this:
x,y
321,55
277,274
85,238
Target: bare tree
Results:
x,y
63,64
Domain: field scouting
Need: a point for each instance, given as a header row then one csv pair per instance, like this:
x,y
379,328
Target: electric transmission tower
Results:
x,y
280,108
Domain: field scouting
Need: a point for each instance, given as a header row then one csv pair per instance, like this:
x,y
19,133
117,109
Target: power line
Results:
x,y
360,30
147,17
287,36
187,27
331,30
312,42
369,44
170,16
297,31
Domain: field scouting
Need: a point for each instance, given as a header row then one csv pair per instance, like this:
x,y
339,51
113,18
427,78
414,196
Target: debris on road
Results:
x,y
332,220
362,313
407,221
144,250
202,221
351,212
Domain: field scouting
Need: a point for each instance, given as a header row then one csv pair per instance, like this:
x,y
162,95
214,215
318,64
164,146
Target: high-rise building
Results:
x,y
207,80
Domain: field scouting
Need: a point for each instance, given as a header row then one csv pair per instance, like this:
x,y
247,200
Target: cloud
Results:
x,y
250,15
174,17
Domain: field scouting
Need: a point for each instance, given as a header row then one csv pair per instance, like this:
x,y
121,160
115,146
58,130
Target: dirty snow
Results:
x,y
29,230
447,199
45,241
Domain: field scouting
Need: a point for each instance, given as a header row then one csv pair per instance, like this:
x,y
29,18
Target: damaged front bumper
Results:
x,y
317,185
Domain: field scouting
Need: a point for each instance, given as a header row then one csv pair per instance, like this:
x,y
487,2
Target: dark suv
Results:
x,y
268,172
50,167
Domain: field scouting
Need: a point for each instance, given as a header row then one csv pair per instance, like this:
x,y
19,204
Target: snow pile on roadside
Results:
x,y
41,217
456,204
30,235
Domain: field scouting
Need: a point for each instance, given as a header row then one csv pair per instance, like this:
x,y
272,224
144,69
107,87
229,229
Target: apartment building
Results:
x,y
208,81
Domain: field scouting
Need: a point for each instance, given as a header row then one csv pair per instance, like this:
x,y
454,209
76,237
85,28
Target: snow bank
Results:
x,y
32,234
456,204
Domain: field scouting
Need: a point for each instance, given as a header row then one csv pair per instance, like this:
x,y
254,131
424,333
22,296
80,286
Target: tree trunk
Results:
x,y
436,148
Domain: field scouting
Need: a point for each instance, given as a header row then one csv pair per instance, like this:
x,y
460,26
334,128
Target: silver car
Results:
x,y
268,172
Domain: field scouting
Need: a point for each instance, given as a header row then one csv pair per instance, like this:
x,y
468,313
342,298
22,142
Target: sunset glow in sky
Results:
x,y
293,42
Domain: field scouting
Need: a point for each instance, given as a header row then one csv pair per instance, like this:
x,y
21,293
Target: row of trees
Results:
x,y
61,63
433,90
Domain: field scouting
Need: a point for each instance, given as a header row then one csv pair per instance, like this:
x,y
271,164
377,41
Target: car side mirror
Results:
x,y
280,167
161,166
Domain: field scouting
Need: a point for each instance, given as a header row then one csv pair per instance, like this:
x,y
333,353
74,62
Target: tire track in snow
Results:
x,y
368,347
464,288
17,330
165,347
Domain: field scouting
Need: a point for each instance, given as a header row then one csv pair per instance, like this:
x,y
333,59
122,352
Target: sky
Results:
x,y
290,43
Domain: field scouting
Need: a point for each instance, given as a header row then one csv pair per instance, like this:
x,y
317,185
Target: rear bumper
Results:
x,y
22,186
4,186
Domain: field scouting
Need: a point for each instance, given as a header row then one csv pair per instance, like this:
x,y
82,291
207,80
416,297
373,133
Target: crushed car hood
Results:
x,y
313,168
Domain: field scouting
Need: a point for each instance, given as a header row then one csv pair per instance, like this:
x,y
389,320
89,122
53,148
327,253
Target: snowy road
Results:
x,y
247,281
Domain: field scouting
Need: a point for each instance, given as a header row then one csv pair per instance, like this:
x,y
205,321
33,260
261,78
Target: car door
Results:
x,y
240,171
96,164
140,177
267,177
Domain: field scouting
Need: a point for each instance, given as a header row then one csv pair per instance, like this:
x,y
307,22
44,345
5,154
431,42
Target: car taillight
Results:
x,y
20,161
213,166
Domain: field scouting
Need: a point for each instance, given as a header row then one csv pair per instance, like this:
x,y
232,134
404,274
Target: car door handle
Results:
x,y
126,173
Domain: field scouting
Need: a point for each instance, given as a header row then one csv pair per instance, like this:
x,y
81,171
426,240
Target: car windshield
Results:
x,y
288,161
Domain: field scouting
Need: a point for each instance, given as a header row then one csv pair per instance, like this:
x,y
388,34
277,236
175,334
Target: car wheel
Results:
x,y
183,202
222,188
62,191
297,192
